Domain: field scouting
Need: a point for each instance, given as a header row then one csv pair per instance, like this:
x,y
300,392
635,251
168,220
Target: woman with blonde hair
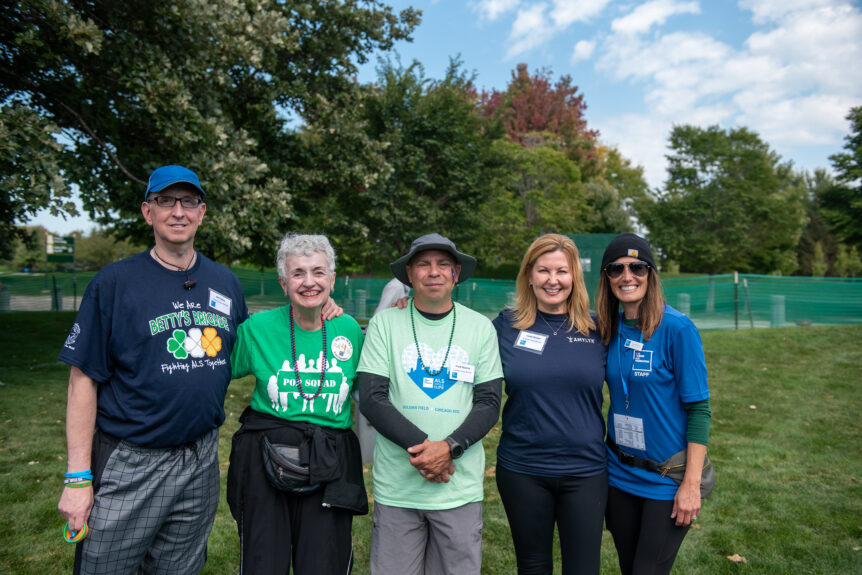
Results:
x,y
551,467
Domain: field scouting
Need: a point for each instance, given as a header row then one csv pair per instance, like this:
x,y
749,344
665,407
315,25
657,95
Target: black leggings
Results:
x,y
646,538
534,504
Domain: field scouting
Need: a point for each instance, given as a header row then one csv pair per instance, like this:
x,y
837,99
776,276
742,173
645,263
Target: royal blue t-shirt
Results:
x,y
669,371
552,419
159,353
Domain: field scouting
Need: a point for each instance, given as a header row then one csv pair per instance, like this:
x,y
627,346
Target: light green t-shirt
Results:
x,y
435,404
263,349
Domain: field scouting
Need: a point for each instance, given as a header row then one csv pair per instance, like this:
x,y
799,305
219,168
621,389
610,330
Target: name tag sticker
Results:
x,y
219,302
531,341
629,431
462,371
635,345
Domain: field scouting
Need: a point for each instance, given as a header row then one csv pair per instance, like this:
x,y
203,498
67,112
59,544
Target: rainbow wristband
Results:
x,y
77,484
74,536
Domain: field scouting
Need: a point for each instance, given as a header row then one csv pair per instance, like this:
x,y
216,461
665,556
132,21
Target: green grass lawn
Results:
x,y
786,441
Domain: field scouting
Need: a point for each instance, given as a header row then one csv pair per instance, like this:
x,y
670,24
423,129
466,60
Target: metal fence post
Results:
x,y
735,300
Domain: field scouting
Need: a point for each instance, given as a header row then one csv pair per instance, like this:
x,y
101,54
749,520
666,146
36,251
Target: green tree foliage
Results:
x,y
30,166
842,204
26,249
819,265
550,174
98,248
817,230
435,151
728,204
535,190
613,191
847,262
134,84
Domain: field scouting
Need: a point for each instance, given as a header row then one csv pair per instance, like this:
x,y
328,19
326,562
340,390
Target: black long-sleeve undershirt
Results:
x,y
374,403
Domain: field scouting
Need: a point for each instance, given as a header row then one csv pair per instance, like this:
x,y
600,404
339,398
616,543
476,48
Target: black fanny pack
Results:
x,y
285,468
673,467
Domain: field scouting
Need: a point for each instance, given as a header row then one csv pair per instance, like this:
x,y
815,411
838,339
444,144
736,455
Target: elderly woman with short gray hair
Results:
x,y
295,476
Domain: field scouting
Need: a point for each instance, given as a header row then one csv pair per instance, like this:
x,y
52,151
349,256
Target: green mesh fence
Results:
x,y
591,248
737,301
731,301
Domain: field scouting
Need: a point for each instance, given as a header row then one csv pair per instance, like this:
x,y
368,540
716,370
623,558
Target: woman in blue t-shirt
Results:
x,y
551,457
656,376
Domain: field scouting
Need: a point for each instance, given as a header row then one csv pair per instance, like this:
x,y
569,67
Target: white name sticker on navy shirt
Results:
x,y
219,302
462,371
342,349
531,341
629,431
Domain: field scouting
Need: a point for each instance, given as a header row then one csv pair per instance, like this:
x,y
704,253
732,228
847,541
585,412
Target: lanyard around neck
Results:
x,y
620,360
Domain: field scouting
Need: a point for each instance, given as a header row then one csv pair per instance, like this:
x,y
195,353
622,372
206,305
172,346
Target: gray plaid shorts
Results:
x,y
153,511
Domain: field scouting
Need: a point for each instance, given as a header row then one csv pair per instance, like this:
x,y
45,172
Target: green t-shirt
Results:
x,y
435,404
263,349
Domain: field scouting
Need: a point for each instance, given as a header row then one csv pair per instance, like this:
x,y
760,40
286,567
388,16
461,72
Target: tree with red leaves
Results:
x,y
535,111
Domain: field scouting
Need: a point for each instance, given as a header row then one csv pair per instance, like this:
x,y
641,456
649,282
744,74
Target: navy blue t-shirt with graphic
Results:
x,y
552,419
160,353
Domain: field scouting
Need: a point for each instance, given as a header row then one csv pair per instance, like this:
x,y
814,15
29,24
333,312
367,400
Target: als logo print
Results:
x,y
432,386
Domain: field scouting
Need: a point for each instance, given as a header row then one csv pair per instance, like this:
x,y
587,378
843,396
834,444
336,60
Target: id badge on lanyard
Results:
x,y
628,431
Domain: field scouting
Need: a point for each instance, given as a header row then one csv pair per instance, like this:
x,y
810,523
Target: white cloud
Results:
x,y
771,10
536,23
656,12
792,81
530,29
566,12
812,120
583,51
493,9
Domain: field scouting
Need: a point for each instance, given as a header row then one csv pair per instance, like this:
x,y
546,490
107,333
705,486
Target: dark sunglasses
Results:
x,y
638,269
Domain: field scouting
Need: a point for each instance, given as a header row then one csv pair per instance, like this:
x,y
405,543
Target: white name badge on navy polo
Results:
x,y
462,371
629,431
531,341
219,302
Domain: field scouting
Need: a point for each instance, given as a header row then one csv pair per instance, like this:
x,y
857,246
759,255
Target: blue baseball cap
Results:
x,y
166,176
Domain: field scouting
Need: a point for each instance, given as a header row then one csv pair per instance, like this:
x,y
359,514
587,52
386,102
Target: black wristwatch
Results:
x,y
455,448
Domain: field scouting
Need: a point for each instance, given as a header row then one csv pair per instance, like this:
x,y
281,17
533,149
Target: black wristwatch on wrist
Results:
x,y
455,448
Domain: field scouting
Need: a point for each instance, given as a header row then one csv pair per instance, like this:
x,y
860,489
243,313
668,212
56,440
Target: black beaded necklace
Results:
x,y
416,341
296,365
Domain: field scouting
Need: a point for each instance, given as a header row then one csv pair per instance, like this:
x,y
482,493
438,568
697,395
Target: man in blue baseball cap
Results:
x,y
150,365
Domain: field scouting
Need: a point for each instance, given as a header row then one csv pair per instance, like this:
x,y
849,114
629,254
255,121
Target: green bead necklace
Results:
x,y
416,341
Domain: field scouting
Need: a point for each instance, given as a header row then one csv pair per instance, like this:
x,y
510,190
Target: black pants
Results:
x,y
277,528
646,538
534,504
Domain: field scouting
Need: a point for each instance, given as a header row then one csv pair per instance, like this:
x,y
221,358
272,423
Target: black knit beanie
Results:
x,y
628,245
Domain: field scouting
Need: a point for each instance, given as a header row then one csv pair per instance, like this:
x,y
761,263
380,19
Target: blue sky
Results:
x,y
788,69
